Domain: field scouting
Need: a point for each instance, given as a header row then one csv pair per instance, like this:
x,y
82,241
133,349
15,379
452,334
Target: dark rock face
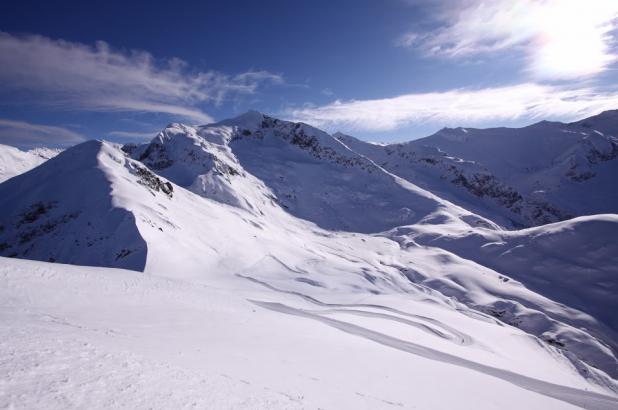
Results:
x,y
477,181
36,210
153,182
155,157
296,134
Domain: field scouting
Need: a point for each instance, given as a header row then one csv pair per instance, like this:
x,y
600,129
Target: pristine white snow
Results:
x,y
14,161
91,337
280,270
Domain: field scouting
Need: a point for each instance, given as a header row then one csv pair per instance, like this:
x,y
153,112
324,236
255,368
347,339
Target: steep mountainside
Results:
x,y
64,211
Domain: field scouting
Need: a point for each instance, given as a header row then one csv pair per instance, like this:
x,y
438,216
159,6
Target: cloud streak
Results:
x,y
25,134
560,39
75,76
463,107
133,134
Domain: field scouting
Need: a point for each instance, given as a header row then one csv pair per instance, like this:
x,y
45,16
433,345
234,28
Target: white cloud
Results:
x,y
133,134
68,75
25,134
561,39
463,107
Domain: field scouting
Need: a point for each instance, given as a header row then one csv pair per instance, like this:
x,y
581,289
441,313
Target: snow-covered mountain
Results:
x,y
256,162
271,244
14,161
518,177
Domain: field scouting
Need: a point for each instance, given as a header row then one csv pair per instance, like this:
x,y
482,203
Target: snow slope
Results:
x,y
238,278
97,338
573,262
14,161
63,211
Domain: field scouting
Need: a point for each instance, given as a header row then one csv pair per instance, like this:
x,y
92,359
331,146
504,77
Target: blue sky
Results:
x,y
389,70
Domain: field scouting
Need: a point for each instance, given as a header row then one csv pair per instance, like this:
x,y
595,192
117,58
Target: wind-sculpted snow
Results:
x,y
574,262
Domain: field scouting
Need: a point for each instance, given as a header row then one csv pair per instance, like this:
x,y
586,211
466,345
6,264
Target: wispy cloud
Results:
x,y
67,75
25,134
132,134
560,39
458,107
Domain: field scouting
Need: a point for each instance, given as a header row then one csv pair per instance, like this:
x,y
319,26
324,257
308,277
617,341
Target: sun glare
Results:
x,y
573,38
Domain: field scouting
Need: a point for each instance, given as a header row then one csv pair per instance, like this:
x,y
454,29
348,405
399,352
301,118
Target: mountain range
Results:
x,y
357,274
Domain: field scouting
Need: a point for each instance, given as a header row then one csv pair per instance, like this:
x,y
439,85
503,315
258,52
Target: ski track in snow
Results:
x,y
577,397
455,335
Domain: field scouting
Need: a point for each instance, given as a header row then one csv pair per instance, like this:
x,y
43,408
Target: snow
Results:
x,y
517,177
572,163
96,337
14,161
252,160
258,263
74,207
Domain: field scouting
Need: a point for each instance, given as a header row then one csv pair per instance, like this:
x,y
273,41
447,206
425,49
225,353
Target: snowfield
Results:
x,y
259,263
96,337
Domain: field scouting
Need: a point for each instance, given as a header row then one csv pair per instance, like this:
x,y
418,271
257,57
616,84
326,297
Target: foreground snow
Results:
x,y
98,337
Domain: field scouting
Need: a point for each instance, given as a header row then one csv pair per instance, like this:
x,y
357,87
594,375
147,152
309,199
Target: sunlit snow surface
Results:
x,y
267,285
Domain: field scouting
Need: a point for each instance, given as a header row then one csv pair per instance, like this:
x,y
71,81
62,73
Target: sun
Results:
x,y
573,38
